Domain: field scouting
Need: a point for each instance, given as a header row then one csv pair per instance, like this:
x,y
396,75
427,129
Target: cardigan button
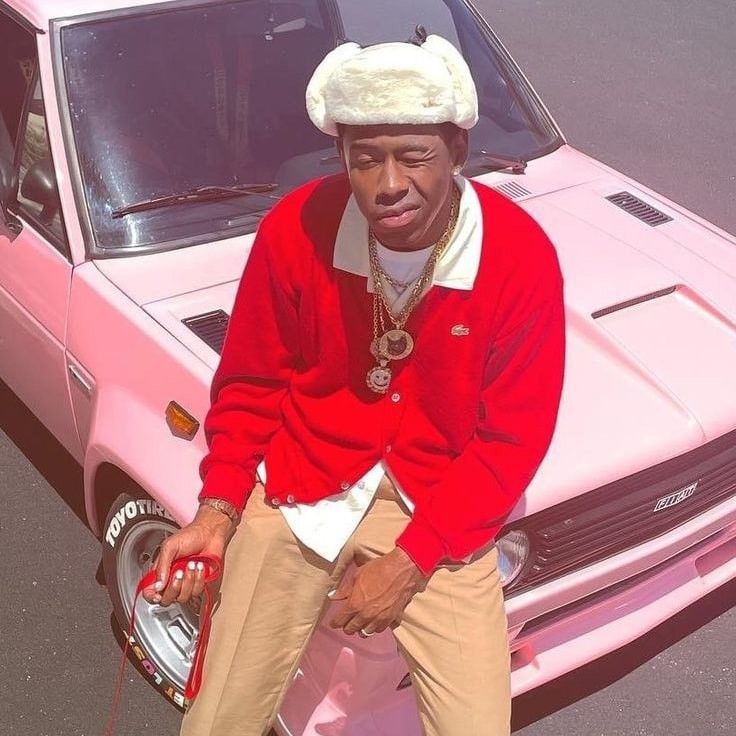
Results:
x,y
388,448
275,501
396,398
344,485
290,499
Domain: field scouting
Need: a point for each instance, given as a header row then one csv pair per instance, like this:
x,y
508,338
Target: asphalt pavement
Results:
x,y
647,87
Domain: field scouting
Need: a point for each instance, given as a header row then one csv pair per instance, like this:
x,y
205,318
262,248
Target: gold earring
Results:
x,y
456,170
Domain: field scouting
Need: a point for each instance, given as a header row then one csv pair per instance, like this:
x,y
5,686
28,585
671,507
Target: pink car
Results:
x,y
141,142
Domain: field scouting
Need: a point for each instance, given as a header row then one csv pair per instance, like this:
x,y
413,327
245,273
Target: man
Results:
x,y
395,353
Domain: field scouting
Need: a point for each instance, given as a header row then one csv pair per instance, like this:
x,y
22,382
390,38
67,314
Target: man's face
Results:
x,y
401,176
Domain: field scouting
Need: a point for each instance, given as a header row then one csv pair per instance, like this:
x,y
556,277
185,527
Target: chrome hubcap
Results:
x,y
168,634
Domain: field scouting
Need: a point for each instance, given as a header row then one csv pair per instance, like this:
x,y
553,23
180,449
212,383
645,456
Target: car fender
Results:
x,y
135,438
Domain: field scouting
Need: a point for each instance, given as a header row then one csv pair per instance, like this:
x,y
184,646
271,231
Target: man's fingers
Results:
x,y
171,592
342,591
344,615
377,626
198,587
152,593
187,584
364,618
356,623
167,554
368,623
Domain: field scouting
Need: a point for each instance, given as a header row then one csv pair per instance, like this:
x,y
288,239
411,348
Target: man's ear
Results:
x,y
459,147
341,148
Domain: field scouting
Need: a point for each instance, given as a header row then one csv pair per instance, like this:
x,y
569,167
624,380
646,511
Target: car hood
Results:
x,y
650,369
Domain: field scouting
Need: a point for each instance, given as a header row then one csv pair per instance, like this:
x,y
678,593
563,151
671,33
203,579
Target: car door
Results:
x,y
35,263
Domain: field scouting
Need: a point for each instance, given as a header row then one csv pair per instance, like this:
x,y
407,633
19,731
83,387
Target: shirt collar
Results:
x,y
456,269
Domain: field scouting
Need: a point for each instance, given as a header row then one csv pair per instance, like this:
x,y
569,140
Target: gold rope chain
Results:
x,y
379,275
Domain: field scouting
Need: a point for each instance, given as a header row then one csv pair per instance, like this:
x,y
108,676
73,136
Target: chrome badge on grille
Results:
x,y
674,498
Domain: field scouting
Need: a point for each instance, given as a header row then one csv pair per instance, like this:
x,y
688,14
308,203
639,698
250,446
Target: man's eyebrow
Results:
x,y
362,147
414,148
365,146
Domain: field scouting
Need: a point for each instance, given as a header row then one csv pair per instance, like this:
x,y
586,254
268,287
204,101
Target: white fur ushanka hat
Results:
x,y
392,83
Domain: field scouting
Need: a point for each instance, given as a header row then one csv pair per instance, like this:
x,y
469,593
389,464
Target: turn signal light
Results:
x,y
181,422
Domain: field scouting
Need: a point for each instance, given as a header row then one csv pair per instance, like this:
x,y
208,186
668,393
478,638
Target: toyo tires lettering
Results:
x,y
130,511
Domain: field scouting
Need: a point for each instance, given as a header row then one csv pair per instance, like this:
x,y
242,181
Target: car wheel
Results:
x,y
163,642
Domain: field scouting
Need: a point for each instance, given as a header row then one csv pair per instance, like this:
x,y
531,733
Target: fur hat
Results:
x,y
396,83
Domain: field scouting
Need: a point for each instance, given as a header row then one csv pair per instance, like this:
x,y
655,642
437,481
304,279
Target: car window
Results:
x,y
17,65
194,95
37,195
387,20
25,158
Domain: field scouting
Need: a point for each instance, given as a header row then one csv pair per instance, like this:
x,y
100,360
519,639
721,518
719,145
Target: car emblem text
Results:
x,y
677,497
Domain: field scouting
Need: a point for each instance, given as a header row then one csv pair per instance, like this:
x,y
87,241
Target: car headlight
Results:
x,y
513,552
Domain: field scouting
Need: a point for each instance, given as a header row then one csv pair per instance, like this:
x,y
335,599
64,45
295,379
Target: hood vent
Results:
x,y
210,327
512,190
632,302
638,208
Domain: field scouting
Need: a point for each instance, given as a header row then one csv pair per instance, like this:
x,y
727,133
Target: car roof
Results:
x,y
40,12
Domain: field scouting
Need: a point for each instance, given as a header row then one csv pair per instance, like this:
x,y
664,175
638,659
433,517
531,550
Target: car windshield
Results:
x,y
162,101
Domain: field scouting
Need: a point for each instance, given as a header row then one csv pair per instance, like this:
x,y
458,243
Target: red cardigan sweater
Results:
x,y
468,417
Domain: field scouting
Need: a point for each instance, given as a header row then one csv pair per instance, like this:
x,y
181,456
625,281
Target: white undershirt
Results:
x,y
325,525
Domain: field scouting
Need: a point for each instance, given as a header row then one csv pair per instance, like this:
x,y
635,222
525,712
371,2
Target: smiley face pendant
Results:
x,y
378,378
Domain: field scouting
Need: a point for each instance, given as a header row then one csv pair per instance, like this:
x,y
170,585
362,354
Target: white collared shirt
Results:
x,y
325,526
456,269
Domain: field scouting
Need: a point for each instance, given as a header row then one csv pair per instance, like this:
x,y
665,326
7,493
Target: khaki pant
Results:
x,y
453,633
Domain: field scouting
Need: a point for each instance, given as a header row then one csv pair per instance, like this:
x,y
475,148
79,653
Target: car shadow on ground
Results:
x,y
596,676
60,470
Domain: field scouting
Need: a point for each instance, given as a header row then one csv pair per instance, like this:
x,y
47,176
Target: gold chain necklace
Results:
x,y
386,276
397,343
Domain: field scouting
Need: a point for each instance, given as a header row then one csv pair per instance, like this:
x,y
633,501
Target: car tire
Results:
x,y
163,641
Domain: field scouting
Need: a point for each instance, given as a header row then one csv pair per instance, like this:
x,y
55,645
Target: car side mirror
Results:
x,y
10,226
8,182
39,185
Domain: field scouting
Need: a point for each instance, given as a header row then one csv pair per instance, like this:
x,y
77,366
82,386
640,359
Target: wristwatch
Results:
x,y
221,504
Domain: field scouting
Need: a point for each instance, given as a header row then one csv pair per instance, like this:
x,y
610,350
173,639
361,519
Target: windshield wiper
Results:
x,y
198,194
495,162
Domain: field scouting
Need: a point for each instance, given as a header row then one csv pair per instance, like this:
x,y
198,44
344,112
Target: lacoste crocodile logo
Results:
x,y
460,330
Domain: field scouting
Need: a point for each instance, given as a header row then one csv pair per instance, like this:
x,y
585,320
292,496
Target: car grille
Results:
x,y
621,515
622,586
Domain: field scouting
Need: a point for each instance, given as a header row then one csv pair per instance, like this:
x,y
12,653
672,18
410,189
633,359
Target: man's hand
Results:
x,y
378,593
208,534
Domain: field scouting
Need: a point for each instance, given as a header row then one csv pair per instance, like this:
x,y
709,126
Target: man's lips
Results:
x,y
397,218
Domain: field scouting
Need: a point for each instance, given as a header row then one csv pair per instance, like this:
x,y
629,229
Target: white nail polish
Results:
x,y
331,593
191,565
200,566
179,574
158,585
